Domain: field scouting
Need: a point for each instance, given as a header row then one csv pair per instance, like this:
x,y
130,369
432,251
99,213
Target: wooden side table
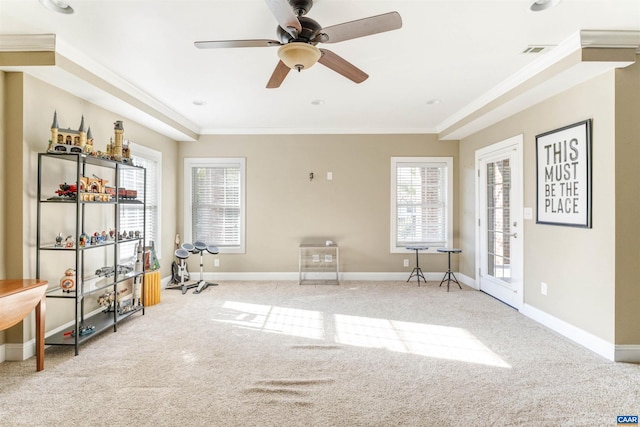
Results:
x,y
17,298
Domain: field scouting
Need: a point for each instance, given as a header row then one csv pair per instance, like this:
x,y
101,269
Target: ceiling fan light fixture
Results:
x,y
57,6
299,55
540,5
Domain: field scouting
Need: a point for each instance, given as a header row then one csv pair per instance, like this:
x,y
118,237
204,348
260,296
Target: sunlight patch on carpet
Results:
x,y
437,341
442,342
268,318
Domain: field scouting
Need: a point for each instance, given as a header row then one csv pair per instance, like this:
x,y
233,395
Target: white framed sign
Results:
x,y
563,176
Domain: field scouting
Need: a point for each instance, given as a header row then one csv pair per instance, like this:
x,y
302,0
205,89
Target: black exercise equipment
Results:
x,y
182,254
200,248
176,271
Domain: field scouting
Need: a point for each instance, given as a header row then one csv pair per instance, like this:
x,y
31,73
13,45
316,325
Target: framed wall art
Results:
x,y
563,176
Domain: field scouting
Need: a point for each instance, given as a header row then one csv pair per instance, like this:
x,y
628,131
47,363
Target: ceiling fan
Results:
x,y
299,35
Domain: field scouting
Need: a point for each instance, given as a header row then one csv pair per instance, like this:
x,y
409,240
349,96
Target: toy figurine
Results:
x,y
83,240
59,239
68,282
68,242
106,300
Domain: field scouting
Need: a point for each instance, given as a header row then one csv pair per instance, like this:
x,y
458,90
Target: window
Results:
x,y
421,202
131,215
214,208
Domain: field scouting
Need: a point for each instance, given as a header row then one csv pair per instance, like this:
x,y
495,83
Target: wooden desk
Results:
x,y
17,299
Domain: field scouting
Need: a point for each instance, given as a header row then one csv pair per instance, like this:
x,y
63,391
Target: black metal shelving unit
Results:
x,y
85,165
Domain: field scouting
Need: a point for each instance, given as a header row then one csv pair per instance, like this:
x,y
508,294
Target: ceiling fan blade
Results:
x,y
278,75
342,66
283,13
221,44
363,27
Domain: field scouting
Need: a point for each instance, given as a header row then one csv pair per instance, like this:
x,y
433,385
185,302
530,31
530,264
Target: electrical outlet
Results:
x,y
216,262
405,263
543,288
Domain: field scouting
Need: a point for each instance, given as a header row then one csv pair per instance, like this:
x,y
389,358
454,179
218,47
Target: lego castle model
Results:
x,y
81,141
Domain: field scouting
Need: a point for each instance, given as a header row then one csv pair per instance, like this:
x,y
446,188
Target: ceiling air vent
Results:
x,y
536,49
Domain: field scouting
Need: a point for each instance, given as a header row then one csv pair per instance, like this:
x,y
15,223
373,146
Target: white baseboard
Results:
x,y
627,353
466,280
26,350
579,336
294,276
18,352
391,276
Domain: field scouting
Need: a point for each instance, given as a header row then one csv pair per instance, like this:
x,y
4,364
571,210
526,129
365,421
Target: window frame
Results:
x,y
421,161
155,156
189,164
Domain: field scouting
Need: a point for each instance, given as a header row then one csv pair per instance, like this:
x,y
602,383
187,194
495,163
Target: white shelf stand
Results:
x,y
319,264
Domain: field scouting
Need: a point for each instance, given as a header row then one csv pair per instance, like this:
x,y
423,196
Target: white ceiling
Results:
x,y
464,53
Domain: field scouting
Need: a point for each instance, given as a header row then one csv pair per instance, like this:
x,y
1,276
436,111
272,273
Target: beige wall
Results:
x,y
285,208
577,264
592,273
14,243
41,100
627,207
3,177
30,136
3,182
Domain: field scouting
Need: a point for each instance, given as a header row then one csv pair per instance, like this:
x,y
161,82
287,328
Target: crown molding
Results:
x,y
537,81
610,39
66,68
27,42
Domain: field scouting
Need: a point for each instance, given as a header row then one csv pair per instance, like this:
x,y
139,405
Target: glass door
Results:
x,y
500,223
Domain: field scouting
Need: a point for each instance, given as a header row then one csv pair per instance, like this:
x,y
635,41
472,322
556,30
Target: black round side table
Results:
x,y
449,276
417,271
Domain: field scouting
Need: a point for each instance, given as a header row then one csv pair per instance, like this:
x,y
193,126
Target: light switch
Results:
x,y
329,176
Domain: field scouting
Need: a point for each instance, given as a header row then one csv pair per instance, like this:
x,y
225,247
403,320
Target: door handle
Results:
x,y
514,235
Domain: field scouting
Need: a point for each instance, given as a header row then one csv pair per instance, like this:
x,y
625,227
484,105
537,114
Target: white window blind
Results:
x,y
421,202
132,215
215,212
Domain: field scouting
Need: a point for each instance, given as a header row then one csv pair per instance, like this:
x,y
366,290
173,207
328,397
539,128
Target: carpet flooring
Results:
x,y
357,354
